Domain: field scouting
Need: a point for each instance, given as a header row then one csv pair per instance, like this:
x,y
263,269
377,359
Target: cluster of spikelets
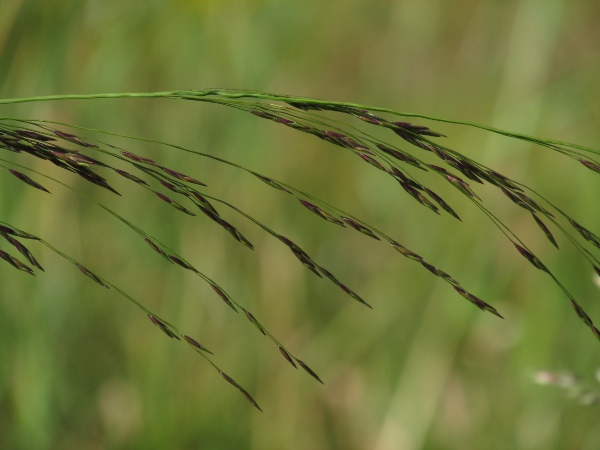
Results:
x,y
44,140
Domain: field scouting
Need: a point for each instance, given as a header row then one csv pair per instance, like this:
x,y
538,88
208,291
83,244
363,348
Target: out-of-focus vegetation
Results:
x,y
82,369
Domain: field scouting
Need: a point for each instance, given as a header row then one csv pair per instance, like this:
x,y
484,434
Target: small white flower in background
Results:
x,y
596,278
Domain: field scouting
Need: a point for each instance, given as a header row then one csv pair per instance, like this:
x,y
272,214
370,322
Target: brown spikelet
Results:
x,y
287,356
196,344
91,275
223,296
404,157
29,181
309,370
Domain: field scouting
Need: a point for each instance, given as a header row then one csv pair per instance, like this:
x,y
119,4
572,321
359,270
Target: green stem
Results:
x,y
233,94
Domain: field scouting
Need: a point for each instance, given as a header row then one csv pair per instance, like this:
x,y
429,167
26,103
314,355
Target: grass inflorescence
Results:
x,y
402,157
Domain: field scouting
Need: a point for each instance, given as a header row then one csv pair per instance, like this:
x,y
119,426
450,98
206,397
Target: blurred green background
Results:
x,y
82,369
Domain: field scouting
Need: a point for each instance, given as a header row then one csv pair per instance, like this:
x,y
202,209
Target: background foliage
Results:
x,y
82,369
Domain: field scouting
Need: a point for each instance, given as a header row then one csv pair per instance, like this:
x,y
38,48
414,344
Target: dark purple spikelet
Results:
x,y
173,187
174,204
590,165
401,156
440,273
241,389
138,158
531,258
181,262
91,275
154,246
477,301
408,187
205,204
74,139
254,322
163,327
34,135
271,183
322,213
311,207
581,313
24,178
196,344
131,177
371,119
372,161
309,370
16,263
181,176
440,201
358,227
263,114
223,296
462,186
545,229
23,250
406,252
305,106
235,233
343,287
585,233
301,255
95,179
287,356
17,232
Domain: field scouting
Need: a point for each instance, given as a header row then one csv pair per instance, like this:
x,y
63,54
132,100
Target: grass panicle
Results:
x,y
409,153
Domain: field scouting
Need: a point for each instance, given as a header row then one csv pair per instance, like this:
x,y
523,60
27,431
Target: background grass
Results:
x,y
82,369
